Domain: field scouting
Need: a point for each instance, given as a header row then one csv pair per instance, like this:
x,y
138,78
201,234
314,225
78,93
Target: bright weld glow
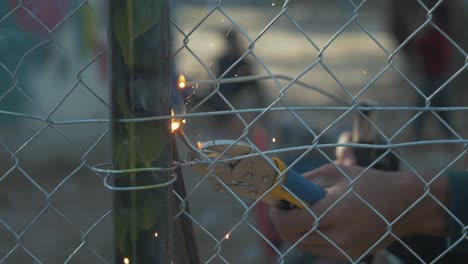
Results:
x,y
227,236
273,140
272,4
182,83
156,234
199,145
126,261
176,123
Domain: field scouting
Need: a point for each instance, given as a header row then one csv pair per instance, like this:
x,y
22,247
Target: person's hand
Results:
x,y
361,213
351,221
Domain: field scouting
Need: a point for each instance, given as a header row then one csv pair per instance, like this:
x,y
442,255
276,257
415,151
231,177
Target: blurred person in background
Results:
x,y
241,95
231,64
431,51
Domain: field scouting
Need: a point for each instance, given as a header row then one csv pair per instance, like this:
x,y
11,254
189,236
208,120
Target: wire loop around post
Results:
x,y
110,172
139,188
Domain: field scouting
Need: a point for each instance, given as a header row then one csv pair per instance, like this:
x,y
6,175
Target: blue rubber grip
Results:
x,y
304,189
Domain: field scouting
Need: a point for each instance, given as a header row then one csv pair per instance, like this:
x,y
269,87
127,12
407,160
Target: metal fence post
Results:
x,y
140,87
185,249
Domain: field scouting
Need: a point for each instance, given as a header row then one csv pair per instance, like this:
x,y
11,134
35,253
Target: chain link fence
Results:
x,y
284,76
54,209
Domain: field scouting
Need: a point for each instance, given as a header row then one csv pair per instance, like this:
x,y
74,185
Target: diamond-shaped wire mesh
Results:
x,y
284,78
54,209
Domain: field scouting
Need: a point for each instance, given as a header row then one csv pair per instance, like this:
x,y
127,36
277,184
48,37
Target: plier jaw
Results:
x,y
227,164
251,176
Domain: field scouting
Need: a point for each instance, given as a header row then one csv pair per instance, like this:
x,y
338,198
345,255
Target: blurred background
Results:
x,y
53,66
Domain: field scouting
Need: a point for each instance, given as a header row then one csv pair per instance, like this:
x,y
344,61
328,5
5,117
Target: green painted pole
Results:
x,y
140,87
